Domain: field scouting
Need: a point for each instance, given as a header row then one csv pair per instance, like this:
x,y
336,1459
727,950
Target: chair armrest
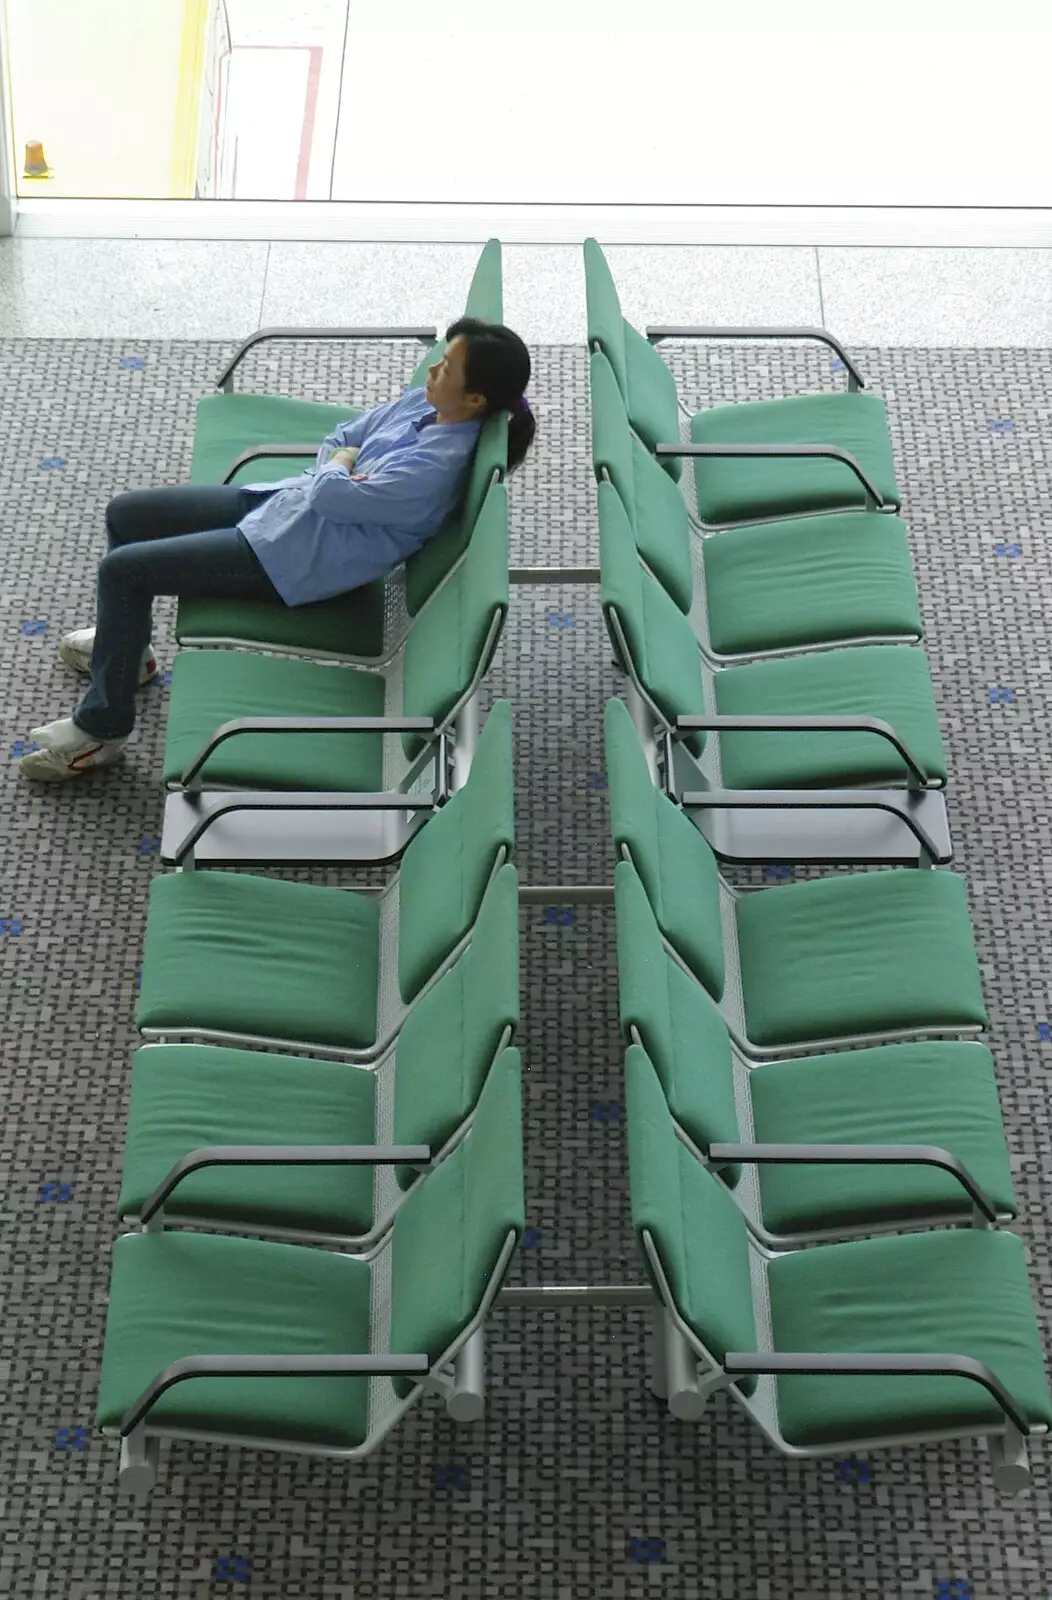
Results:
x,y
773,724
727,335
738,1364
812,800
759,452
263,452
322,800
880,1155
226,377
278,1366
282,1155
229,730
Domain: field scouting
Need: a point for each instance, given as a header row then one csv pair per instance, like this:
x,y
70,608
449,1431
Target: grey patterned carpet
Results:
x,y
578,1484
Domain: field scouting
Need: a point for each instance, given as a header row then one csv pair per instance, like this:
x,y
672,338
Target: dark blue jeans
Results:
x,y
179,540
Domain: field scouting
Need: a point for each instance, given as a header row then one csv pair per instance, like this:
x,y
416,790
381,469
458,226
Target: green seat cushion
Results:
x,y
698,1230
346,624
785,585
226,425
262,956
679,1025
184,1097
210,687
661,648
437,556
892,682
653,408
656,509
175,1295
960,1292
449,1234
741,490
452,639
941,1092
866,953
448,864
675,864
449,1041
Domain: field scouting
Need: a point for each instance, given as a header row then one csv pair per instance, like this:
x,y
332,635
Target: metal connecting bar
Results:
x,y
566,894
538,575
571,1294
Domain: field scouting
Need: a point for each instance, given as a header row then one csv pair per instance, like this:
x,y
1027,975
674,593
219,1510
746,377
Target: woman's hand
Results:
x,y
343,458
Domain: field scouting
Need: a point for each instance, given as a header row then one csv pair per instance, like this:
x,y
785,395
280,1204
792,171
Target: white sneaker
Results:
x,y
67,751
75,650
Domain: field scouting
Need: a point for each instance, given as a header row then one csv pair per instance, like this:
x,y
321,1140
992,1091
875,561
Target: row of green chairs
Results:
x,y
397,1141
741,1152
259,690
741,643
325,1067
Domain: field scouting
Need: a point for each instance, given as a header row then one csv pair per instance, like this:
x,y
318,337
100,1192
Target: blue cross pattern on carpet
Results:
x,y
73,1438
52,1192
231,1569
645,1549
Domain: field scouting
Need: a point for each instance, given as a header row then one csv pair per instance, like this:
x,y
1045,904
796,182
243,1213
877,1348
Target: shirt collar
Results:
x,y
429,417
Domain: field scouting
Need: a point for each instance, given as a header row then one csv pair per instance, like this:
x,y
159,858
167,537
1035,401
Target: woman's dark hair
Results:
x,y
497,365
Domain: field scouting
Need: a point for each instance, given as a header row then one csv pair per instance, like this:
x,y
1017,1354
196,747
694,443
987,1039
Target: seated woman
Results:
x,y
305,538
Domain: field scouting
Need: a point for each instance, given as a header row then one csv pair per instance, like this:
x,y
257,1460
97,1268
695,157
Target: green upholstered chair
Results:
x,y
239,437
283,1346
729,489
921,1119
259,1142
436,670
767,589
853,958
654,643
233,958
840,1348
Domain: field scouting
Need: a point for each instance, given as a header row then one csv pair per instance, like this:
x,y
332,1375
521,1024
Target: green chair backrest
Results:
x,y
656,509
485,300
450,1040
698,1231
449,862
446,645
661,645
647,386
449,1234
426,568
675,864
678,1023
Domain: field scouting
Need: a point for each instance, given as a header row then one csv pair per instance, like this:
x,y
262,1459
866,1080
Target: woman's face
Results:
x,y
445,384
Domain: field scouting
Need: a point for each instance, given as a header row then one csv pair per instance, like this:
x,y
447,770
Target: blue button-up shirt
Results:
x,y
321,534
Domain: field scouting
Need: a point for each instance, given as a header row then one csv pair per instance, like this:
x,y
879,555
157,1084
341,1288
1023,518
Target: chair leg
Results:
x,y
467,1401
1009,1461
138,1465
685,1399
